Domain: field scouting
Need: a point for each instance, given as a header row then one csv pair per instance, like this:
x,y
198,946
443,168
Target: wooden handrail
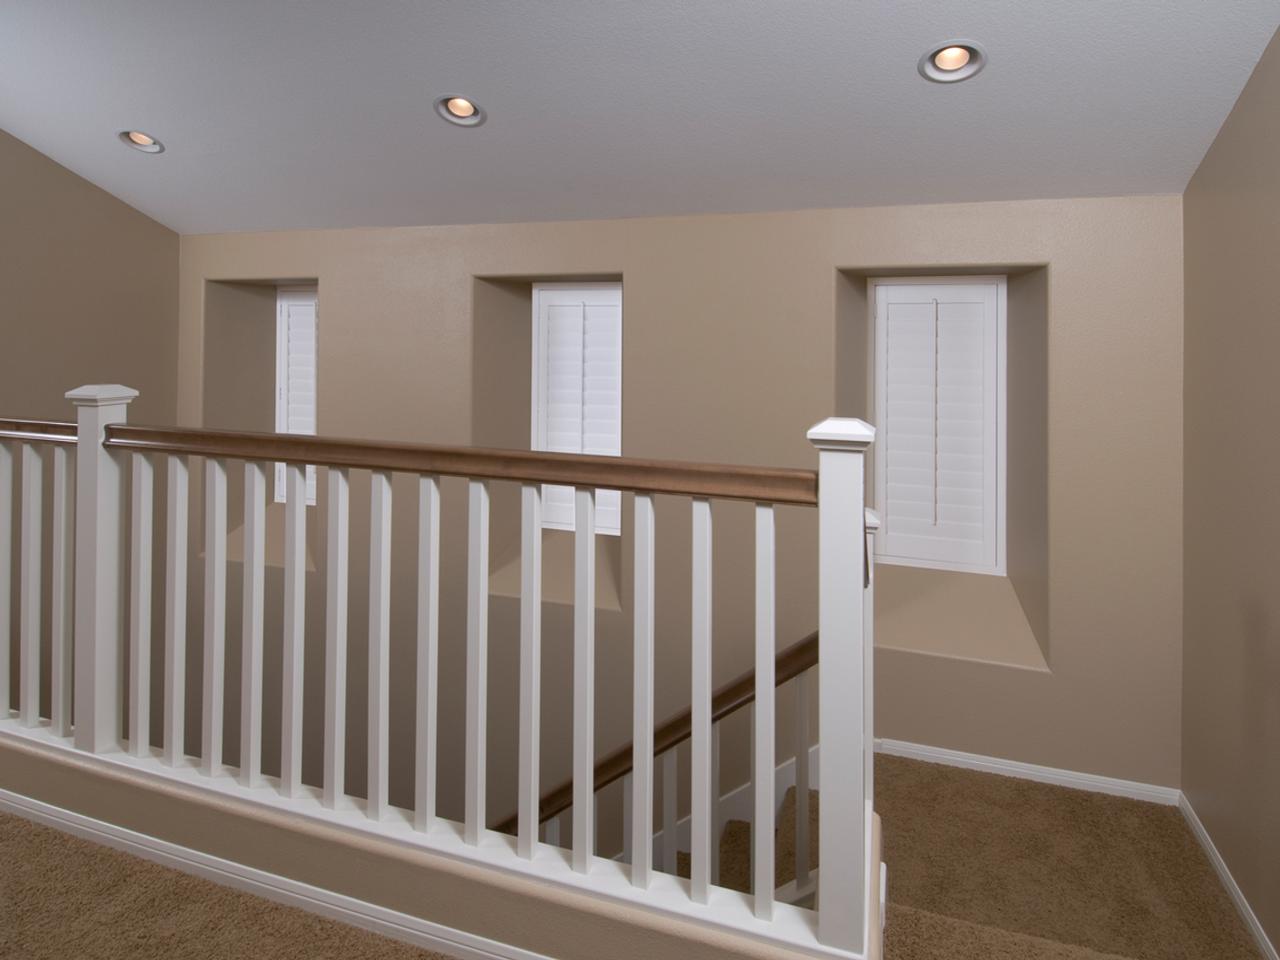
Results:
x,y
39,431
792,662
721,481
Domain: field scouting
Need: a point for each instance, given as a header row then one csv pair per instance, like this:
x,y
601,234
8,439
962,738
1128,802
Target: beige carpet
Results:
x,y
63,898
980,868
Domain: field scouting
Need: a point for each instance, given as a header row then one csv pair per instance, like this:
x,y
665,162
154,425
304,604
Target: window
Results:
x,y
296,310
940,409
577,388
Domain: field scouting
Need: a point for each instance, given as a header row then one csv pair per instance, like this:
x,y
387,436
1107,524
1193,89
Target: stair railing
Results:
x,y
114,460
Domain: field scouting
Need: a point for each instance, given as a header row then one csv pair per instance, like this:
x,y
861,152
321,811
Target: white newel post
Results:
x,y
844,684
99,567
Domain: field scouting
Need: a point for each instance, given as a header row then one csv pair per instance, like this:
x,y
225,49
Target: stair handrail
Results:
x,y
730,698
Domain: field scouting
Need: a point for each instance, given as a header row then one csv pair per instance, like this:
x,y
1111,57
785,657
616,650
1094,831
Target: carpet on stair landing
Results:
x,y
985,866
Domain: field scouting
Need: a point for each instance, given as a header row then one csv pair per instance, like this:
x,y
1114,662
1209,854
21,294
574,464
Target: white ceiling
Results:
x,y
282,114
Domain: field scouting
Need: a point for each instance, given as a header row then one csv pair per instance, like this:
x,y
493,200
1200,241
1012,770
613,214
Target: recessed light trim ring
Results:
x,y
142,142
454,109
952,52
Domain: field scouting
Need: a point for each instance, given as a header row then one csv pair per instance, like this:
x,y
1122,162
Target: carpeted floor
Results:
x,y
63,898
1113,875
980,868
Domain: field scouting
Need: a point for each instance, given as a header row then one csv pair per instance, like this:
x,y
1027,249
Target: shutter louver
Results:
x,y
937,399
578,404
296,376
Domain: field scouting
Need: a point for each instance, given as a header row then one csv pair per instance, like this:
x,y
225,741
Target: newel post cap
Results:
x,y
101,394
842,433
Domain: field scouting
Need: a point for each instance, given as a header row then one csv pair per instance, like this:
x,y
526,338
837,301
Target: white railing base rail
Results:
x,y
793,930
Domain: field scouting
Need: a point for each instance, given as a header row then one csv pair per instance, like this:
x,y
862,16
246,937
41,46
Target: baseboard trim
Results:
x,y
1152,793
1228,881
357,913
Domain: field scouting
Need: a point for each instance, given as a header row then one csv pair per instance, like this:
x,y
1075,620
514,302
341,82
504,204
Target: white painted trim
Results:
x,y
606,881
1228,881
736,804
592,293
1152,793
287,296
293,893
877,400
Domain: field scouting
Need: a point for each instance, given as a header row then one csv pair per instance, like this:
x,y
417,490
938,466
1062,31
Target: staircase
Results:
x,y
1097,877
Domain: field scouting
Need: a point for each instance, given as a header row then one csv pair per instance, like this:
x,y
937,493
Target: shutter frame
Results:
x,y
576,397
940,458
297,363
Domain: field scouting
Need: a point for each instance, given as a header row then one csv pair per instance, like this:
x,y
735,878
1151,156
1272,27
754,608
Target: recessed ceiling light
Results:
x,y
141,141
952,61
460,110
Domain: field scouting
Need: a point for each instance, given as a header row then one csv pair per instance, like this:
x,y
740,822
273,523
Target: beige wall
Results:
x,y
88,292
1231,701
731,351
240,352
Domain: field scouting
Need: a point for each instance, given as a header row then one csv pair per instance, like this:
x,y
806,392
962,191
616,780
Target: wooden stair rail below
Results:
x,y
792,662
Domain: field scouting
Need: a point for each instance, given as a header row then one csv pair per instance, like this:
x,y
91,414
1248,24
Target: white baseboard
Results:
x,y
1133,789
1228,881
357,913
736,804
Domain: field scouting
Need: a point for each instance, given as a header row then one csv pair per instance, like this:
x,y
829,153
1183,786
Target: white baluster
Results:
x,y
295,631
140,606
530,663
215,611
670,829
642,707
762,821
552,830
98,581
801,724
251,631
584,655
61,612
872,521
717,821
477,658
29,585
335,635
700,799
379,643
6,571
175,611
428,650
628,851
844,684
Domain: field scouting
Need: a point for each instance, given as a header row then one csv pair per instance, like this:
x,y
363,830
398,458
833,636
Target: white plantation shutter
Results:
x,y
296,375
577,383
939,407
